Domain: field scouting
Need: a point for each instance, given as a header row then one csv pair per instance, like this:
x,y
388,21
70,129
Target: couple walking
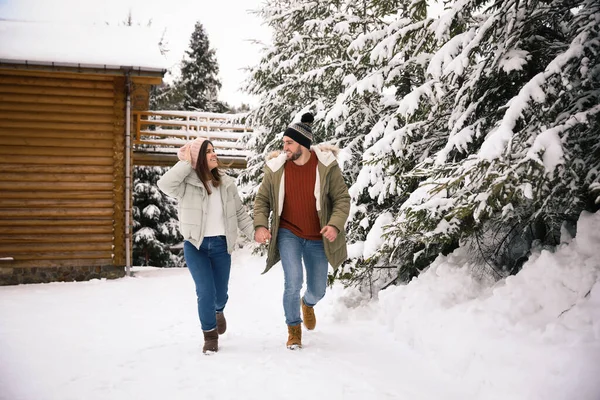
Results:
x,y
300,211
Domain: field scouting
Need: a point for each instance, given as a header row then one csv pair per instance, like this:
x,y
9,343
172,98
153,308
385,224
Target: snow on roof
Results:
x,y
89,46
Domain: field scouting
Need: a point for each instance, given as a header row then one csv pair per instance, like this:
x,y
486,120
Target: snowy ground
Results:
x,y
443,336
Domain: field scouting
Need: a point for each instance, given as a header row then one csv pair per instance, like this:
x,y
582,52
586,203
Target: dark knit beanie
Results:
x,y
301,132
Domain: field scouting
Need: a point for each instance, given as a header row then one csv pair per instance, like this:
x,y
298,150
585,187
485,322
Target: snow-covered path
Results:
x,y
139,338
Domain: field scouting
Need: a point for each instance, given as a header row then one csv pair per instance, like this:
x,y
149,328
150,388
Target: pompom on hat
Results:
x,y
307,118
190,151
301,132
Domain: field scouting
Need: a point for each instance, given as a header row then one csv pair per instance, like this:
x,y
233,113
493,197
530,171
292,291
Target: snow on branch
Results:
x,y
495,144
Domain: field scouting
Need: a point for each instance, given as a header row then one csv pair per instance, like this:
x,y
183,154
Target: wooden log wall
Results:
x,y
61,169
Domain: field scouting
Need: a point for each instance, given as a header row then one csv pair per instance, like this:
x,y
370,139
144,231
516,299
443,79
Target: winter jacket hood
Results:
x,y
326,154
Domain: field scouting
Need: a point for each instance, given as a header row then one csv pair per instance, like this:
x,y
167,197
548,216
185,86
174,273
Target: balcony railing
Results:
x,y
158,134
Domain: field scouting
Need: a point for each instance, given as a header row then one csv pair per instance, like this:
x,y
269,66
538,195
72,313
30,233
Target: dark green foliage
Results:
x,y
155,227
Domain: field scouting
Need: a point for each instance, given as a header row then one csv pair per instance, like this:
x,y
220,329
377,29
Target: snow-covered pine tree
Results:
x,y
509,111
155,226
467,105
394,55
199,75
305,69
278,79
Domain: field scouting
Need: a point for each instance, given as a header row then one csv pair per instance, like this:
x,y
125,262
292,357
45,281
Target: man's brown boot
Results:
x,y
221,323
294,337
211,341
308,316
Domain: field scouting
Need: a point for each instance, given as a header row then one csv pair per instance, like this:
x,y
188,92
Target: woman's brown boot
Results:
x,y
211,341
221,323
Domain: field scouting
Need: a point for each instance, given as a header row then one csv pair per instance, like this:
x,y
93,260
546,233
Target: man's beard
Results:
x,y
296,155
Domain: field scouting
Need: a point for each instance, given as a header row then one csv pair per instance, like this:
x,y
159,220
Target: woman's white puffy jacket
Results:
x,y
182,183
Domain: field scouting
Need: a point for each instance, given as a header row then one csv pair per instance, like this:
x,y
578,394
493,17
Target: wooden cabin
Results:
x,y
67,94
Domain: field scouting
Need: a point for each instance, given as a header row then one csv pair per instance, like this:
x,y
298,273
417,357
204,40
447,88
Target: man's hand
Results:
x,y
262,235
329,232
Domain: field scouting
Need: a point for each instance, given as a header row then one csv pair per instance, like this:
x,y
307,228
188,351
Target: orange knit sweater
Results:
x,y
299,213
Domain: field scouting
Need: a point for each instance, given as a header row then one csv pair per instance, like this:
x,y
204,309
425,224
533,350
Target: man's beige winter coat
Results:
x,y
331,200
182,183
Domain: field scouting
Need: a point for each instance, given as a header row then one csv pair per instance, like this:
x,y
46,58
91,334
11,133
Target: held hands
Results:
x,y
329,232
262,235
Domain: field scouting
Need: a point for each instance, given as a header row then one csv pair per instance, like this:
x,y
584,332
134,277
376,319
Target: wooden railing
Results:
x,y
158,134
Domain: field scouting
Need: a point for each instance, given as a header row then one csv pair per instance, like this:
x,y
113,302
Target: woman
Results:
x,y
210,213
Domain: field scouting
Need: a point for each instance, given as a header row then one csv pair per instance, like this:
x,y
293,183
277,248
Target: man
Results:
x,y
305,190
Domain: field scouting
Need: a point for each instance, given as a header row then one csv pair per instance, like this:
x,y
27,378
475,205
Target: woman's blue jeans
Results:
x,y
293,250
210,267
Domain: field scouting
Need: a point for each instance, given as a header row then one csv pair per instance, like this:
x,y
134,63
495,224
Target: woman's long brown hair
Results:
x,y
202,170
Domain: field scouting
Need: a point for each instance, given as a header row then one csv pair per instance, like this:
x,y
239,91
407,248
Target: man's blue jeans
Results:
x,y
293,250
210,267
